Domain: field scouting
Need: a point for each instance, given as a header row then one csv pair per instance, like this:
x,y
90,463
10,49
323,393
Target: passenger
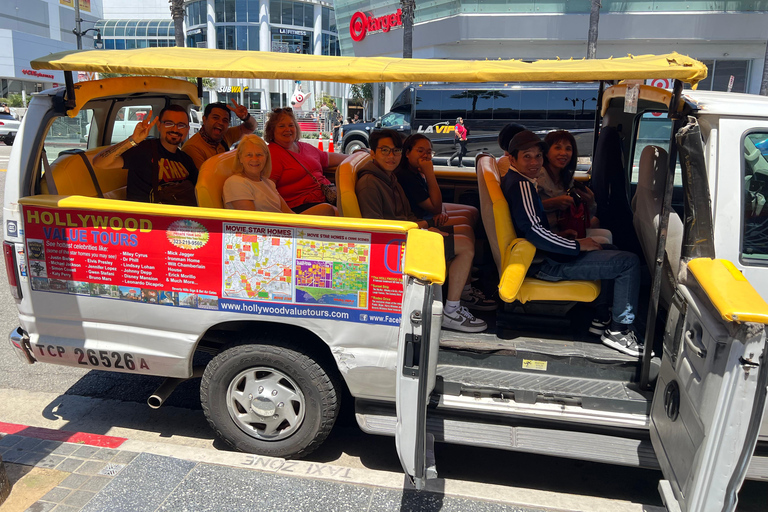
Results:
x,y
380,196
158,171
416,176
556,180
572,259
215,135
505,135
459,137
250,188
297,167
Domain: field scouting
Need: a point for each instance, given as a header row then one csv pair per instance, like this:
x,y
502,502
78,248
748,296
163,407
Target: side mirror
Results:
x,y
378,124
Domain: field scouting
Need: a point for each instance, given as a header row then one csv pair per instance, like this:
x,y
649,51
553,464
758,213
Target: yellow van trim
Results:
x,y
647,93
730,292
423,256
196,62
309,221
130,86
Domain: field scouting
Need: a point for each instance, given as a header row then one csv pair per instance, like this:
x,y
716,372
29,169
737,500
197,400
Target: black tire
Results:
x,y
309,398
354,145
9,141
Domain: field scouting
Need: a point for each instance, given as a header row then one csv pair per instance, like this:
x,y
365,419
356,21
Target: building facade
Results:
x,y
122,34
730,37
33,28
287,26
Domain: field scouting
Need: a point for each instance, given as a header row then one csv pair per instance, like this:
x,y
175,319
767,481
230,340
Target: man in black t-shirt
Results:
x,y
144,157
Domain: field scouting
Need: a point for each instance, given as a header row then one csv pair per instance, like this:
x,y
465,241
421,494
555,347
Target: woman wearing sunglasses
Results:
x,y
297,167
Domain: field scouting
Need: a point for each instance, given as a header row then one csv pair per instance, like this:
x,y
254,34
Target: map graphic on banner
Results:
x,y
258,262
332,268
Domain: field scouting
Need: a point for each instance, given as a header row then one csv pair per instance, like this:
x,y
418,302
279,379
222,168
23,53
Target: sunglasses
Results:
x,y
282,109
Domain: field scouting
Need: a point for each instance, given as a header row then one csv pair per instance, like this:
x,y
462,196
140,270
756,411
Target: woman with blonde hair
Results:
x,y
297,167
250,188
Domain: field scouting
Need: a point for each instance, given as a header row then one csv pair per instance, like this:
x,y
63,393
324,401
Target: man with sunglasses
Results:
x,y
380,196
144,157
215,135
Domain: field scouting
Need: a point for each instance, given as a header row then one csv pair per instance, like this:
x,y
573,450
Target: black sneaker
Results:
x,y
476,299
623,341
598,326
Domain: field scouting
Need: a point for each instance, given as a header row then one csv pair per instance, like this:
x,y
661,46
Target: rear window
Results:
x,y
8,117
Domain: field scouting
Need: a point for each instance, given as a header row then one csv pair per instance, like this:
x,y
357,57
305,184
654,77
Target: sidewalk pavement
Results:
x,y
52,470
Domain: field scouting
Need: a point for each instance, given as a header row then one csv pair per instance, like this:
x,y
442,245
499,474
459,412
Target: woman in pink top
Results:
x,y
297,167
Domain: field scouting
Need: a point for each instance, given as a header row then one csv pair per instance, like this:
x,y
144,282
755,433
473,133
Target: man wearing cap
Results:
x,y
566,259
215,136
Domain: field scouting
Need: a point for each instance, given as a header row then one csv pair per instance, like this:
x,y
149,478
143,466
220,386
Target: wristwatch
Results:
x,y
133,142
246,118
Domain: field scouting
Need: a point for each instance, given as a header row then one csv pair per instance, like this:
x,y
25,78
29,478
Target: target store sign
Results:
x,y
363,24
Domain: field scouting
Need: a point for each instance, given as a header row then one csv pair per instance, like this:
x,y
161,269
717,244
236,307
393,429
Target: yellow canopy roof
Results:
x,y
205,62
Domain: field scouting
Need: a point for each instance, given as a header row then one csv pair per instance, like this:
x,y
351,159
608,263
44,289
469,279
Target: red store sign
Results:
x,y
362,24
32,72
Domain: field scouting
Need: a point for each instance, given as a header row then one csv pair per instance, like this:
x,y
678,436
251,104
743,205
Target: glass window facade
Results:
x,y
291,41
196,13
129,34
720,73
287,12
233,11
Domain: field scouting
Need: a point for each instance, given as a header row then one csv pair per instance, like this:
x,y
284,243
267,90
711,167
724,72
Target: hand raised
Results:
x,y
143,127
239,110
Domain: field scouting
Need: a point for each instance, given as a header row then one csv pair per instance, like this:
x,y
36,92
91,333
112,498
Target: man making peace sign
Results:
x,y
215,136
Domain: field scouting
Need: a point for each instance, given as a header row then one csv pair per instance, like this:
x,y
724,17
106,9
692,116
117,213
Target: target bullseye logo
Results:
x,y
358,26
361,24
661,83
299,98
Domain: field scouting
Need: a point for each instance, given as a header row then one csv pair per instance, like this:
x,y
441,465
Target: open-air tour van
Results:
x,y
113,285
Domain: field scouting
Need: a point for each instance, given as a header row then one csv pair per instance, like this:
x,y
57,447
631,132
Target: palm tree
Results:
x,y
177,13
594,19
407,6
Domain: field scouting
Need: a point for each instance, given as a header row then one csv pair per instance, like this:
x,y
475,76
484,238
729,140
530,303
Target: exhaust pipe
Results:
x,y
165,389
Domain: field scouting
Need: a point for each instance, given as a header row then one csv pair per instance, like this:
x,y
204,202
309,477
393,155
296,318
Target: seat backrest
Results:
x,y
211,177
71,177
346,179
494,209
646,204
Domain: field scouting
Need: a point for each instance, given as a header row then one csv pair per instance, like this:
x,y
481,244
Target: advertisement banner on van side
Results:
x,y
209,264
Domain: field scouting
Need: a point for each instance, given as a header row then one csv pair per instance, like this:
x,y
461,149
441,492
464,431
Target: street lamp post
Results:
x,y
80,33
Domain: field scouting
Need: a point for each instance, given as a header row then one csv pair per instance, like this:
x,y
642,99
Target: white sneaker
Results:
x,y
463,320
475,299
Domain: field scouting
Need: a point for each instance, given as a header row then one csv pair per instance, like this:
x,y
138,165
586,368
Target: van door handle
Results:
x,y
693,344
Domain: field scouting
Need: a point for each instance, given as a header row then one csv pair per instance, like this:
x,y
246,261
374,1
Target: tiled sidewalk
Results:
x,y
107,479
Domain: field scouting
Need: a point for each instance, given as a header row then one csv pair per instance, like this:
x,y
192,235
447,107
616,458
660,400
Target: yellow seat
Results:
x,y
211,177
71,177
514,255
346,179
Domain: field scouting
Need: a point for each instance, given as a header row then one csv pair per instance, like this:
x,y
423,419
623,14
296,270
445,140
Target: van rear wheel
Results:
x,y
269,399
353,146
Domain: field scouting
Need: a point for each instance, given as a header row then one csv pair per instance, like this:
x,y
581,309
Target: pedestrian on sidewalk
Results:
x,y
459,137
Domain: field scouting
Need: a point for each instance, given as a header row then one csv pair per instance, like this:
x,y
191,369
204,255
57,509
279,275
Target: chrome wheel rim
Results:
x,y
266,403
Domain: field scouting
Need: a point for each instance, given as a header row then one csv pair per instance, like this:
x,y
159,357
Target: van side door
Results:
x,y
711,389
418,343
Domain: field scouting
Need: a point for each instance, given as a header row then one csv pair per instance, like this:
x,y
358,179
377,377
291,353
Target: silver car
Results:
x,y
9,125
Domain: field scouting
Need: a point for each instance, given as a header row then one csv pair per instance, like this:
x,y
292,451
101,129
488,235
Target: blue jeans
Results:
x,y
621,266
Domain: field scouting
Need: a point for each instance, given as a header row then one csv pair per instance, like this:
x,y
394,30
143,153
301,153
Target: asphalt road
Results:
x,y
347,445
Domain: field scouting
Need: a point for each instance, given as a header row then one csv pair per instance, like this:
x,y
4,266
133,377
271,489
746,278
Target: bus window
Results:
x,y
454,104
427,104
506,106
560,104
533,104
480,104
754,243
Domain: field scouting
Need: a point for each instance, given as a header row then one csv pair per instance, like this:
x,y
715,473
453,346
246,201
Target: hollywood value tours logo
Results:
x,y
362,24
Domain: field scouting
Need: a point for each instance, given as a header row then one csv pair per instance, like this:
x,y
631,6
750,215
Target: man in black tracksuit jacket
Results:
x,y
564,259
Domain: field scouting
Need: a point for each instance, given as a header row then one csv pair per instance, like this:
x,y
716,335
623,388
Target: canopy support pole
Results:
x,y
598,117
70,94
200,88
661,239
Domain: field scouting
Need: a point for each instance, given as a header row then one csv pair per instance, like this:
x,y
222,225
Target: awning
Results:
x,y
205,62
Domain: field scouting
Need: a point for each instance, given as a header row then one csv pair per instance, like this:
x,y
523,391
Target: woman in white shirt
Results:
x,y
250,188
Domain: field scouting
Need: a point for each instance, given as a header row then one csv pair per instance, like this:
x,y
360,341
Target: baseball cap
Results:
x,y
506,134
524,140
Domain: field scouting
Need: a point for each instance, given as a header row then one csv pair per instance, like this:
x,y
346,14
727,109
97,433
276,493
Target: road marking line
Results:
x,y
62,435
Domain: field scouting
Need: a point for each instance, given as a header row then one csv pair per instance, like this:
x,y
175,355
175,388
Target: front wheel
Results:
x,y
353,146
269,399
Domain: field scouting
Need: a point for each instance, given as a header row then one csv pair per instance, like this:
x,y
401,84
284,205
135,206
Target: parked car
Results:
x,y
9,125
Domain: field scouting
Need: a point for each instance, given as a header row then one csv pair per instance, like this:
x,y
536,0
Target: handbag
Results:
x,y
577,218
329,191
180,193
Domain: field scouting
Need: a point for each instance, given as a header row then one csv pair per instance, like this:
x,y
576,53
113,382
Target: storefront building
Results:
x,y
32,28
731,42
285,26
145,33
